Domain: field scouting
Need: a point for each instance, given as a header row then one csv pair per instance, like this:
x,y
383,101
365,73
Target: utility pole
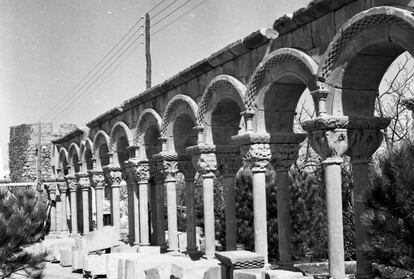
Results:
x,y
39,158
147,49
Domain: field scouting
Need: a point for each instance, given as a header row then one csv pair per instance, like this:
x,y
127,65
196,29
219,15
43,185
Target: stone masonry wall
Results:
x,y
23,150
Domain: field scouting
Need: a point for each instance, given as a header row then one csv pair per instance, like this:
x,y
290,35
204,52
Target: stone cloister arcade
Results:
x,y
236,108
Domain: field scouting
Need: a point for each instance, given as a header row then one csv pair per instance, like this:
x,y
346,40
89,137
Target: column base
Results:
x,y
75,235
144,244
51,235
287,265
364,276
194,253
64,234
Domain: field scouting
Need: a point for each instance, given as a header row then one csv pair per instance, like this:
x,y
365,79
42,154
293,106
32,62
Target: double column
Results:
x,y
205,163
63,188
72,186
284,154
364,138
113,177
255,150
50,185
84,184
98,182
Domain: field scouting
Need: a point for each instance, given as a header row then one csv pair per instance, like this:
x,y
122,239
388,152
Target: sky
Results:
x,y
47,46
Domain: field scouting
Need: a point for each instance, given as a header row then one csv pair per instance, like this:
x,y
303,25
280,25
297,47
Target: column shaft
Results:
x,y
143,212
259,213
209,220
53,224
63,212
73,212
99,207
230,212
361,182
136,214
334,220
172,214
131,213
159,217
85,211
283,218
190,212
116,210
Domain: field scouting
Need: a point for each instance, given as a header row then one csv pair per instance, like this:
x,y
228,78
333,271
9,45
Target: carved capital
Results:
x,y
187,169
97,179
138,172
256,156
83,180
205,164
113,175
364,142
229,164
71,182
329,144
62,186
50,186
284,155
168,169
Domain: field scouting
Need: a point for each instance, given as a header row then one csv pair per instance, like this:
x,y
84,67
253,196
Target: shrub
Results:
x,y
22,219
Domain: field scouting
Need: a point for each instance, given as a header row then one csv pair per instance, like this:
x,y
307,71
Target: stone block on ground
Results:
x,y
77,259
249,274
182,242
65,256
104,238
198,269
283,274
125,249
240,259
150,250
95,264
112,263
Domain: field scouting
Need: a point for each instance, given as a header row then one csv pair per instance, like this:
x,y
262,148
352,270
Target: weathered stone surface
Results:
x,y
248,274
104,238
95,264
283,274
66,256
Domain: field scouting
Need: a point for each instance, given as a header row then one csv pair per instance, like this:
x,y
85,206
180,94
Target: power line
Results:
x,y
100,68
155,6
166,7
179,7
80,93
169,24
96,79
93,68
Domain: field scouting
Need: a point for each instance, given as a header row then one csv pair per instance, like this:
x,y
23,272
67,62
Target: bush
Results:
x,y
390,214
22,219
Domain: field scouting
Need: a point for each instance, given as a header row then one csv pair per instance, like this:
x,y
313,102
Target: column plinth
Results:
x,y
364,140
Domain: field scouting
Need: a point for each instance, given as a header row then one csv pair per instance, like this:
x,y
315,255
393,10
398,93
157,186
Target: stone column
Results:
x,y
157,193
141,191
328,137
113,176
229,164
51,189
70,179
84,184
63,188
133,204
169,171
409,104
206,165
187,169
364,140
98,182
283,156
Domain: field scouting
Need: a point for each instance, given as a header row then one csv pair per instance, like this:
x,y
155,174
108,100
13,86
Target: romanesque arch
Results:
x,y
275,87
74,157
220,108
147,134
86,152
177,123
101,149
359,55
121,138
62,164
